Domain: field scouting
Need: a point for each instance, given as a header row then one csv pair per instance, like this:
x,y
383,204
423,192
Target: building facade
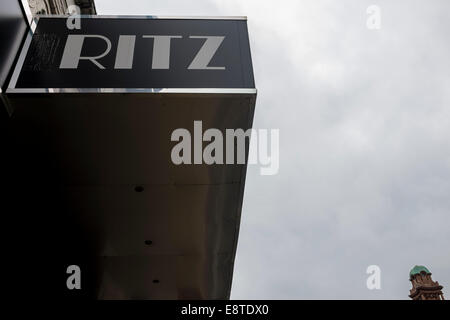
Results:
x,y
60,6
423,286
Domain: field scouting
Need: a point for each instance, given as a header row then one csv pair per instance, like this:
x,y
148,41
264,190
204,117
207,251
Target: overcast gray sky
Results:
x,y
364,119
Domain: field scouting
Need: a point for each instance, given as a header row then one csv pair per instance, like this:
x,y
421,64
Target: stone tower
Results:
x,y
423,287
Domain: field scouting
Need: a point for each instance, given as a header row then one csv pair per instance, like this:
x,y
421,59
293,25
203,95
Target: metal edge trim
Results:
x,y
242,182
134,90
19,64
147,17
27,11
5,101
33,24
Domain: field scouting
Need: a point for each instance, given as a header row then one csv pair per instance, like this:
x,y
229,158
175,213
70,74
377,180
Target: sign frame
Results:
x,y
18,68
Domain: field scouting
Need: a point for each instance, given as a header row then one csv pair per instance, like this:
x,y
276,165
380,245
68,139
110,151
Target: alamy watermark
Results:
x,y
374,280
228,149
74,279
74,19
374,19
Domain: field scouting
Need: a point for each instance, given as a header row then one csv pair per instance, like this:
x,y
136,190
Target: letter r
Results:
x,y
72,51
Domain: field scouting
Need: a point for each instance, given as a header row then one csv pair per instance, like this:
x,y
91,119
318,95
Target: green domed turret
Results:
x,y
417,270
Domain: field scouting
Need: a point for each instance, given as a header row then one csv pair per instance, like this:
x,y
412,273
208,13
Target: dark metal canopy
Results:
x,y
90,171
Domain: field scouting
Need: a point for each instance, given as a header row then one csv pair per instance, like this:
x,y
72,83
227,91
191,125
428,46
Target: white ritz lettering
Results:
x,y
125,51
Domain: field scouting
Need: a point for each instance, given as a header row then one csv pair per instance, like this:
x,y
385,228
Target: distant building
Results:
x,y
423,287
60,6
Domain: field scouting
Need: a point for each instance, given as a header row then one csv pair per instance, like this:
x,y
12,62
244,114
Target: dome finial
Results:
x,y
418,270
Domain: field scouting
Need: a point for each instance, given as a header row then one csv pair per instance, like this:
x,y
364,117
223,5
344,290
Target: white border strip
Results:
x,y
135,90
19,64
147,17
27,10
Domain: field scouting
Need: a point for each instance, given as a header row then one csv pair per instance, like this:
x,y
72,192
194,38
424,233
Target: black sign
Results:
x,y
138,53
